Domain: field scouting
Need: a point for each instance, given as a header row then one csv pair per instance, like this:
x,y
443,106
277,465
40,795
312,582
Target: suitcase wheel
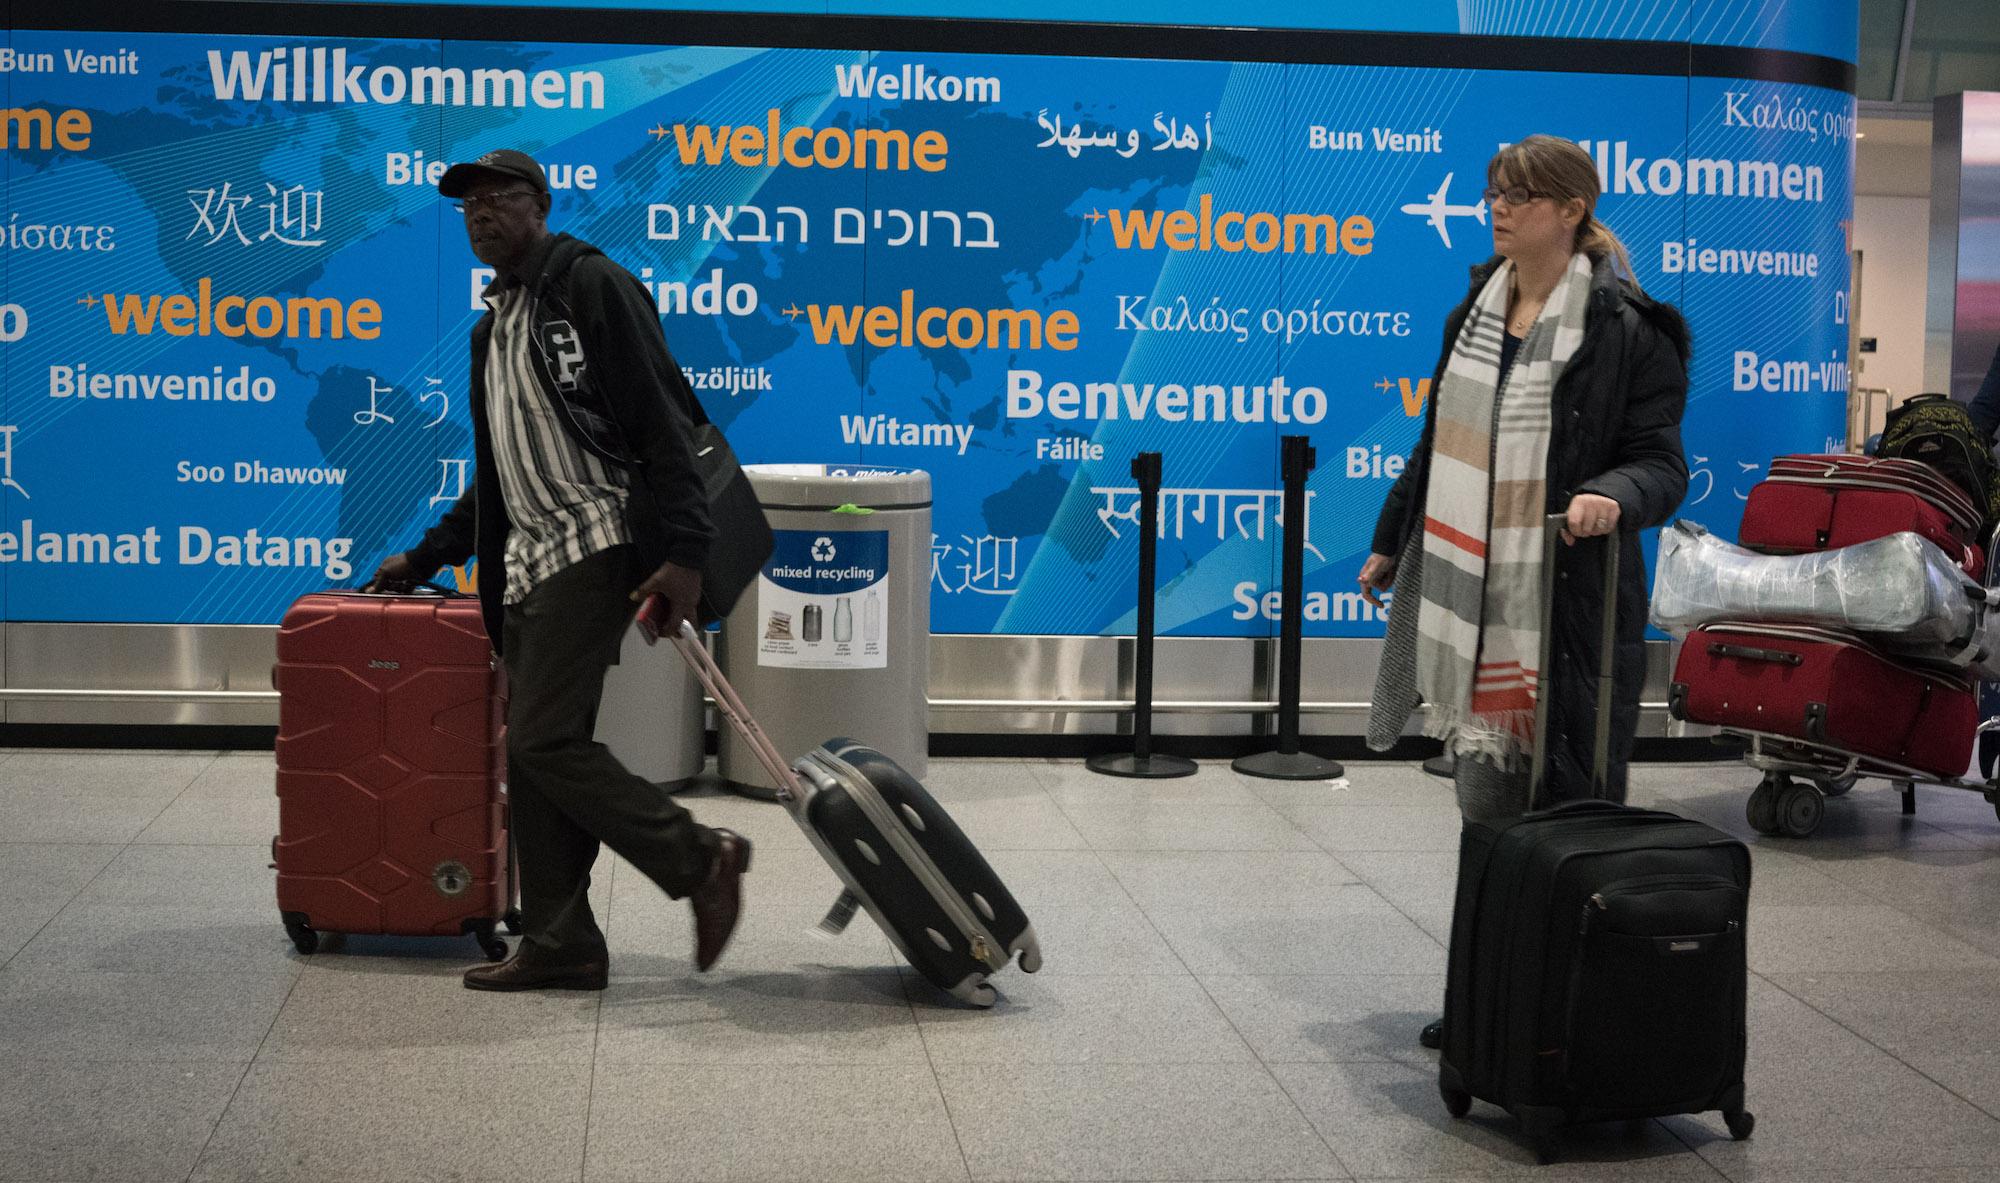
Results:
x,y
513,922
1542,1126
975,993
1456,1102
1740,1122
489,941
303,937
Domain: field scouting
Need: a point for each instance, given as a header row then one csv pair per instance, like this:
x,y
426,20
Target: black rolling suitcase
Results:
x,y
1597,968
900,855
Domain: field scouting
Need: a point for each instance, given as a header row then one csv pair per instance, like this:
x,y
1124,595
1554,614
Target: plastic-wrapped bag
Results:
x,y
1900,592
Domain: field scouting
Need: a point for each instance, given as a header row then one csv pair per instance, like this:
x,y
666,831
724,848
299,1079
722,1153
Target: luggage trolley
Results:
x,y
1800,774
1782,805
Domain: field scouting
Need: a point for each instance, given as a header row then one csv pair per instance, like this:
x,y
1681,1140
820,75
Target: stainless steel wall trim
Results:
x,y
145,674
1189,707
52,694
1001,685
1117,705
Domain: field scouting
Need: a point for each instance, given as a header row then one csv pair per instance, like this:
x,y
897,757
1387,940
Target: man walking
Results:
x,y
585,501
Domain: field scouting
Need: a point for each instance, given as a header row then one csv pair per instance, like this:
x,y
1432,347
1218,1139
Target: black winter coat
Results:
x,y
600,357
1615,432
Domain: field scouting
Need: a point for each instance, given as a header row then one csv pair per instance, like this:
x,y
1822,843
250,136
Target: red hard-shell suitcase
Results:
x,y
1813,503
1826,688
391,763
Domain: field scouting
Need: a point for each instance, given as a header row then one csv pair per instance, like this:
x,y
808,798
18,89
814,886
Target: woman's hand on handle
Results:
x,y
1589,516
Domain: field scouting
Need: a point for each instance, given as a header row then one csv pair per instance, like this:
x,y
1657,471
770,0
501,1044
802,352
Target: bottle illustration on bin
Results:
x,y
871,619
809,626
843,619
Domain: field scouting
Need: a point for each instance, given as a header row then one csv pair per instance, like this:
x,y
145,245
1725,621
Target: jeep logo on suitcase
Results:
x,y
379,664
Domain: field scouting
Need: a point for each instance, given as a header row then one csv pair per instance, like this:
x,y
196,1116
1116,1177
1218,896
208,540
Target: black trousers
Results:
x,y
567,793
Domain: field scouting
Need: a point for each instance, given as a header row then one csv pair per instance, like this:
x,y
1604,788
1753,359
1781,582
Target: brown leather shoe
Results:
x,y
516,973
718,901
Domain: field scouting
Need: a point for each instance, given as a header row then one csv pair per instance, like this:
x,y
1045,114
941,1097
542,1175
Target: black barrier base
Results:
x,y
1156,766
1445,766
1280,766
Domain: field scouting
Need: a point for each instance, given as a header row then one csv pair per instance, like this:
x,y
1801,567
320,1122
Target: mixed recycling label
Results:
x,y
821,601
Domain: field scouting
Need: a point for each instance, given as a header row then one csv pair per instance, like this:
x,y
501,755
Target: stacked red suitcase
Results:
x,y
1815,503
1825,698
391,770
1826,688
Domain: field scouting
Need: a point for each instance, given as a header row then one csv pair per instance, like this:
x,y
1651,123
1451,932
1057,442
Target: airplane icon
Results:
x,y
1435,211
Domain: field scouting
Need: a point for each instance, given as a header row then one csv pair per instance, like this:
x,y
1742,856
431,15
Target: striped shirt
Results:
x,y
565,503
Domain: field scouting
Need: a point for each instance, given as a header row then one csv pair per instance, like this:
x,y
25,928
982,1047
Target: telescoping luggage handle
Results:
x,y
1601,758
791,786
732,709
420,588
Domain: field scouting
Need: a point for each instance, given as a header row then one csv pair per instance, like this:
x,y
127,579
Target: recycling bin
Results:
x,y
834,637
652,717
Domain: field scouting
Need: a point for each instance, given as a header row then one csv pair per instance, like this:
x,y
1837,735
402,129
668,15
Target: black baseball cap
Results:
x,y
504,162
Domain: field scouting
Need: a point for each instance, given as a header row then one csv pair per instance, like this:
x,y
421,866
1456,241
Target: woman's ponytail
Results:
x,y
1595,239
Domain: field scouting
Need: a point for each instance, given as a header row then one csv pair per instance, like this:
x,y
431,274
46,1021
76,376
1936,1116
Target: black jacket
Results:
x,y
600,357
1615,431
1985,405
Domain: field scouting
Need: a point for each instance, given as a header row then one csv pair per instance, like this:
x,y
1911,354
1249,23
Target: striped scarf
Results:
x,y
1480,622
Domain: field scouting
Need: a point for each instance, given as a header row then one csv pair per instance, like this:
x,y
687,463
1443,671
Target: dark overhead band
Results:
x,y
937,35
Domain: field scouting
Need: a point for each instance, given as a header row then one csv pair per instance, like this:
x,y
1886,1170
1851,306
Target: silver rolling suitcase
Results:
x,y
900,855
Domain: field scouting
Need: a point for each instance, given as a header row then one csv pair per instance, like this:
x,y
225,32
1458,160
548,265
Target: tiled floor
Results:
x,y
1235,974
